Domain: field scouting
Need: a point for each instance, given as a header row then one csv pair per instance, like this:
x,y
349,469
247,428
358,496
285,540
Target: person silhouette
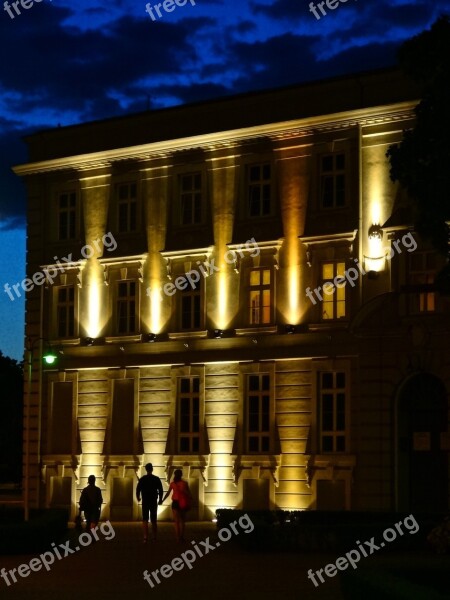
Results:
x,y
91,503
181,502
151,489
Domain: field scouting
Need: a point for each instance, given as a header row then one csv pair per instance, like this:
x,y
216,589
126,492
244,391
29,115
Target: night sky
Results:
x,y
65,62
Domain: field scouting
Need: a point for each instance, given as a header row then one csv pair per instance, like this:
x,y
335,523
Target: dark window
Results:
x,y
422,269
191,307
65,312
127,207
259,190
258,413
189,414
332,181
126,307
191,199
67,216
332,411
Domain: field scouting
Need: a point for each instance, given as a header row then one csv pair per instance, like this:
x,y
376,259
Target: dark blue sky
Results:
x,y
65,62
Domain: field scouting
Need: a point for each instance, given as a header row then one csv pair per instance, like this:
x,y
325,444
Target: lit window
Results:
x,y
421,273
67,216
260,300
332,411
191,199
333,305
259,190
127,207
191,307
189,414
258,413
65,312
332,181
126,307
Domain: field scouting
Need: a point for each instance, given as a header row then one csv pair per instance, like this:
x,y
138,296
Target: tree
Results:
x,y
11,411
421,162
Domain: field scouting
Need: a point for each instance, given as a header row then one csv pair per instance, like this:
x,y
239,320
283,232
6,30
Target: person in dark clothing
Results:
x,y
91,503
152,492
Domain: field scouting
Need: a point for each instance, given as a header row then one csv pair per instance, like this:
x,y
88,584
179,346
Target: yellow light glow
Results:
x,y
155,309
96,317
294,295
376,211
223,317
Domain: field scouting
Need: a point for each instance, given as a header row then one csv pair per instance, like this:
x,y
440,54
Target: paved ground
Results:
x,y
114,569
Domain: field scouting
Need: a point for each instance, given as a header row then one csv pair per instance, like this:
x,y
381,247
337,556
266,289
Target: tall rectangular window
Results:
x,y
67,215
333,305
123,432
332,411
258,413
191,198
126,307
332,181
259,190
61,419
127,207
260,297
189,414
65,312
191,307
421,273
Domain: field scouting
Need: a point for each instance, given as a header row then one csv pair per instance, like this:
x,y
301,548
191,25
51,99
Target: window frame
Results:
x,y
334,297
259,183
334,173
128,202
261,433
67,304
191,435
192,294
422,297
326,366
261,287
128,298
193,192
69,210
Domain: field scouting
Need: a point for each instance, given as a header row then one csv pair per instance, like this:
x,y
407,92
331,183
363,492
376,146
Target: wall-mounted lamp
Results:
x,y
218,333
89,341
375,261
149,337
289,329
375,232
50,356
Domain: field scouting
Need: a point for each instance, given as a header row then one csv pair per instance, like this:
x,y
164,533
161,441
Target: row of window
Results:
x,y
260,298
191,197
258,425
259,422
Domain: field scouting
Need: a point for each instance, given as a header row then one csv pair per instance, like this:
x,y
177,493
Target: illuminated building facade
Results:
x,y
266,395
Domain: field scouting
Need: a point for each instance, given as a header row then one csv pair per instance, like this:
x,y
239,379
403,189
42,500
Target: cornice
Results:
x,y
224,139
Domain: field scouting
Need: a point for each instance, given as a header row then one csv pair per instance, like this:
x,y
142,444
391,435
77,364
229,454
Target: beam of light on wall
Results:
x,y
294,293
223,318
155,307
96,317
